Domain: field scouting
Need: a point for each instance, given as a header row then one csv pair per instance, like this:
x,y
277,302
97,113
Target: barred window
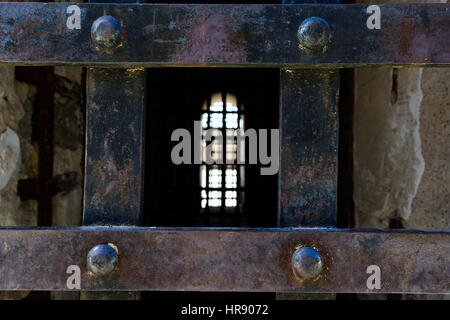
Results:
x,y
222,183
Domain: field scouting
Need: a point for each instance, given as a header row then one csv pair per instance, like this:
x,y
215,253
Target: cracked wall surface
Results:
x,y
401,154
401,157
401,142
388,161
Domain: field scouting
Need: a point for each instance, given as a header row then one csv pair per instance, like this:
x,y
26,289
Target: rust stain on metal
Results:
x,y
208,39
308,148
226,260
225,35
114,146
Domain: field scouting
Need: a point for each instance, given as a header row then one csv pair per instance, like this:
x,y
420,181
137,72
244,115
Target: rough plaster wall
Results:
x,y
388,161
431,206
69,127
401,150
401,145
18,156
15,110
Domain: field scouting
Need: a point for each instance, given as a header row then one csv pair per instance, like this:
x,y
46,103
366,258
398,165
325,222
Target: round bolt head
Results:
x,y
314,34
102,259
107,32
307,263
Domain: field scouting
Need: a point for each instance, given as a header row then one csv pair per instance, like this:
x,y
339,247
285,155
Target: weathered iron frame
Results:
x,y
208,259
243,35
190,259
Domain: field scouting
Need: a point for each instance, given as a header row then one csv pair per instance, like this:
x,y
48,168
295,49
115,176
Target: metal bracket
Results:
x,y
225,259
223,35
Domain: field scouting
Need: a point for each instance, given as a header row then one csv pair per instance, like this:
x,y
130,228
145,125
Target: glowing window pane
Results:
x,y
215,203
230,194
215,199
215,178
215,195
231,107
230,178
217,106
218,116
205,120
216,120
230,202
231,120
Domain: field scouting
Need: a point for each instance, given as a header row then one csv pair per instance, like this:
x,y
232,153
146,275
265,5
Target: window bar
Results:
x,y
238,166
109,89
208,113
224,155
248,124
306,94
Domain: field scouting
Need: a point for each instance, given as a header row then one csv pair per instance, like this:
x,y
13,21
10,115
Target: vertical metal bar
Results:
x,y
114,151
309,141
224,156
237,210
114,146
308,150
207,167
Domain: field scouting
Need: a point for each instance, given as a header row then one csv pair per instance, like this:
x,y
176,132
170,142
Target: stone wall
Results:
x,y
18,156
69,144
19,151
401,149
401,154
388,162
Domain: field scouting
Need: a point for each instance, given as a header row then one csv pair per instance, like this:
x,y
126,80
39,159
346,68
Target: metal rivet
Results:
x,y
102,259
307,263
107,32
314,34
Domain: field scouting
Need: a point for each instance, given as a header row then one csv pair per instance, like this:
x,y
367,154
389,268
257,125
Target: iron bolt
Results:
x,y
102,259
307,263
107,33
314,34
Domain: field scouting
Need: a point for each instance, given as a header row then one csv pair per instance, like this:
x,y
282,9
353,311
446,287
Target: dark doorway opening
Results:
x,y
175,195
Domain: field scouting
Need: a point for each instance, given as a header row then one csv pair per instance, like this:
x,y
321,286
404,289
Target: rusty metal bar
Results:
x,y
309,141
225,35
113,193
226,260
114,146
309,129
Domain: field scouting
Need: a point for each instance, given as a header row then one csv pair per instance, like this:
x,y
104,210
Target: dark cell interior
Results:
x,y
175,100
172,192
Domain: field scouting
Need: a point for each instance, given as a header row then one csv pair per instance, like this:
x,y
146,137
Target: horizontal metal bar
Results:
x,y
226,260
225,35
